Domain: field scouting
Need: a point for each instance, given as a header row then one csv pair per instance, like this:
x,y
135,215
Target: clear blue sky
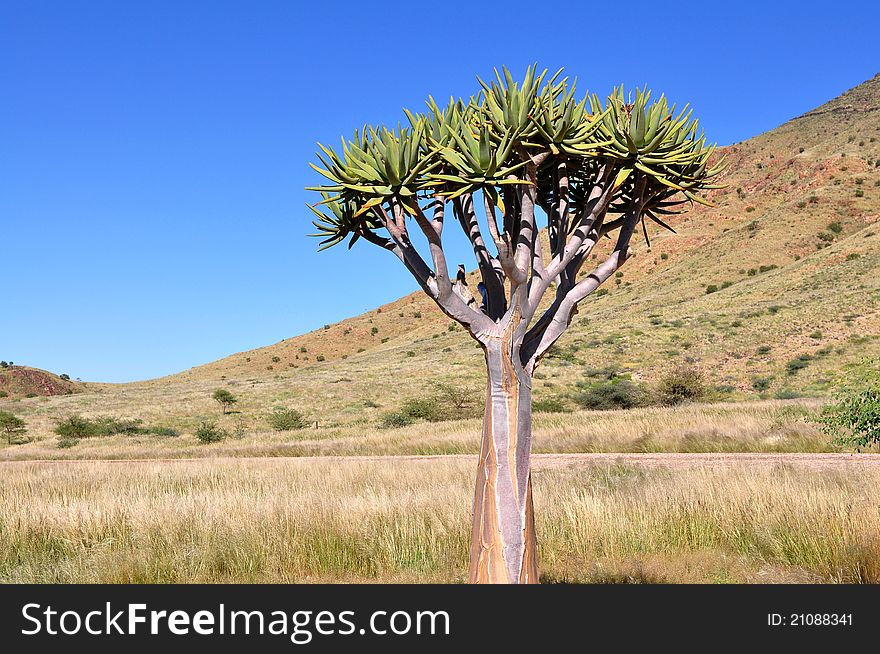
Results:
x,y
153,154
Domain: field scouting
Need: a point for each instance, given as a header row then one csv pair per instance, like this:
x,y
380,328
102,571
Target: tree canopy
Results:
x,y
592,166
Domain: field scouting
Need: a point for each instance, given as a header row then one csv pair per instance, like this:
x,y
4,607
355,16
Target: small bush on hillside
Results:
x,y
76,427
711,288
4,394
374,330
859,193
209,432
664,255
320,357
682,384
764,349
835,227
761,384
65,441
787,394
288,420
65,377
852,256
798,364
767,268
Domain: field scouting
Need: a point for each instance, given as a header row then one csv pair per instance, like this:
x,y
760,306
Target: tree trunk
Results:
x,y
503,543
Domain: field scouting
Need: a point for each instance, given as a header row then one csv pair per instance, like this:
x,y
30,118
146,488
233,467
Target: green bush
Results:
x,y
711,288
763,349
835,227
65,441
76,427
4,394
615,393
209,432
288,420
854,417
787,394
425,409
798,364
681,384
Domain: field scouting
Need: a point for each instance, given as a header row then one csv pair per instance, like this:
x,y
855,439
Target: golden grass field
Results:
x,y
300,520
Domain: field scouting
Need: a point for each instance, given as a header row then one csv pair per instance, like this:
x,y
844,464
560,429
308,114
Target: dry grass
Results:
x,y
766,426
308,521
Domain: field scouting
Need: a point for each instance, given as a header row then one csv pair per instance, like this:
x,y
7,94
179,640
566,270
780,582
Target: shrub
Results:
x,y
209,432
787,394
752,272
761,384
4,394
683,383
767,268
854,417
852,256
615,393
12,426
424,408
859,193
763,349
410,353
835,227
417,314
288,420
711,288
816,335
303,349
664,255
320,357
276,359
371,404
798,364
394,419
600,292
65,377
76,427
224,398
374,330
64,442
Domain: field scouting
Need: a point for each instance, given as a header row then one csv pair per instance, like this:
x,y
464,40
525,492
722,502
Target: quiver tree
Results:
x,y
503,165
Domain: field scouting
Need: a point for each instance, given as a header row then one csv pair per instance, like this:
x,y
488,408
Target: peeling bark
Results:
x,y
503,540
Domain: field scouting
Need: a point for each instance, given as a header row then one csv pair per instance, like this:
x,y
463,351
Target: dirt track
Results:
x,y
544,461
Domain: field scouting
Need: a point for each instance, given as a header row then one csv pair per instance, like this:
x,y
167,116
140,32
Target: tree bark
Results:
x,y
503,542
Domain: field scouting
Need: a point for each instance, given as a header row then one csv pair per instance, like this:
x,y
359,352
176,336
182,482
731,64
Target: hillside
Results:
x,y
22,381
802,201
792,246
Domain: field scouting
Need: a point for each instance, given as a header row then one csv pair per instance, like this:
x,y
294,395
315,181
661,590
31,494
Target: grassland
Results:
x,y
301,520
762,426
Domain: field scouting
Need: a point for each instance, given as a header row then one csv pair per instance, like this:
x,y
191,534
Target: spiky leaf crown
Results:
x,y
485,143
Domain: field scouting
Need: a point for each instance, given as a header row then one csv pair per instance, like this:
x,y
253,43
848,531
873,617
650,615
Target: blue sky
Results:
x,y
153,154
